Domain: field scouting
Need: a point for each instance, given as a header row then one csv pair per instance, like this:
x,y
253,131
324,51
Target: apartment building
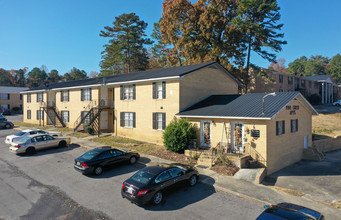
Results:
x,y
274,81
10,97
137,105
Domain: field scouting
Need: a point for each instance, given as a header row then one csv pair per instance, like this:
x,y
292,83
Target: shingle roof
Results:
x,y
240,106
137,76
12,89
317,78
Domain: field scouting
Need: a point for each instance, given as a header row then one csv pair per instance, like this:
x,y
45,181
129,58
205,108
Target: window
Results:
x,y
86,94
116,153
290,80
128,92
65,116
294,125
159,90
4,96
20,96
64,96
37,139
316,85
28,98
40,97
128,119
40,115
280,90
47,138
280,127
280,78
159,121
105,155
29,114
303,83
163,177
86,116
309,84
175,172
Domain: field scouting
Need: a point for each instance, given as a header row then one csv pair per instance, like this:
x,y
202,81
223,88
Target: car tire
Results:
x,y
7,126
98,171
62,144
193,180
30,151
132,160
157,198
337,104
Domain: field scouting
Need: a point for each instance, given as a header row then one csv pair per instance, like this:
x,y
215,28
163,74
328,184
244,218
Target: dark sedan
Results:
x,y
289,211
6,124
150,183
93,161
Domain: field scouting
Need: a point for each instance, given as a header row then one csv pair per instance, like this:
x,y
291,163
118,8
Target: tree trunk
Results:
x,y
246,77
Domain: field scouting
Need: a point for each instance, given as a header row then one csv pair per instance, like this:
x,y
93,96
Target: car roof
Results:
x,y
35,135
28,130
102,149
156,168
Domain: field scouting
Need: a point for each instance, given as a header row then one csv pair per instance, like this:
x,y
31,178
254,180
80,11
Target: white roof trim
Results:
x,y
35,91
76,87
143,80
223,117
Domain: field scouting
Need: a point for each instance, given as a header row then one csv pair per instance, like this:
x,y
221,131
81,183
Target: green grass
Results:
x,y
322,131
63,130
121,142
80,134
24,124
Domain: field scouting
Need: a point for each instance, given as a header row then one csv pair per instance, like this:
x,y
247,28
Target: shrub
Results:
x,y
16,109
177,135
90,130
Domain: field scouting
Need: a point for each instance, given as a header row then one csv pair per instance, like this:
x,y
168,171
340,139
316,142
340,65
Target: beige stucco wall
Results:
x,y
75,106
14,101
34,106
286,149
202,83
144,106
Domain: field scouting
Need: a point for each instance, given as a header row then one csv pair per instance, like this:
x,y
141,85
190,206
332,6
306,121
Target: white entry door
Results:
x,y
206,133
237,136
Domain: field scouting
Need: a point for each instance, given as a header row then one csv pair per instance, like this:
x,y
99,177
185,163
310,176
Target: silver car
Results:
x,y
16,137
31,144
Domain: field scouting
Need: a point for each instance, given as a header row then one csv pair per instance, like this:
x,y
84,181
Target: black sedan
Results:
x,y
6,124
150,183
93,161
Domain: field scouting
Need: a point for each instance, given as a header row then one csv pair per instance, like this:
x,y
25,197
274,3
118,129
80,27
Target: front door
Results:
x,y
237,136
206,133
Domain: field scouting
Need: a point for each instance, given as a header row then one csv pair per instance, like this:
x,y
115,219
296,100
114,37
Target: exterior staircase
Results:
x,y
53,114
311,153
207,159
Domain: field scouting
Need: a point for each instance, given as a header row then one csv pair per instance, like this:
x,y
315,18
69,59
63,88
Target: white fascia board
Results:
x,y
223,117
143,80
35,91
77,87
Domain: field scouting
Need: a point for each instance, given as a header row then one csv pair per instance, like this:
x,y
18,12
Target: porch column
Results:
x,y
322,93
332,93
326,93
330,87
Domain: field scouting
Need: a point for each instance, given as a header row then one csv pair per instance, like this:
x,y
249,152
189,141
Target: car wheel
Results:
x,y
62,144
98,171
157,198
338,104
30,151
7,126
132,160
193,180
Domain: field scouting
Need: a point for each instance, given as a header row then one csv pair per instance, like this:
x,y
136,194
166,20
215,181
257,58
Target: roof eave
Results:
x,y
225,117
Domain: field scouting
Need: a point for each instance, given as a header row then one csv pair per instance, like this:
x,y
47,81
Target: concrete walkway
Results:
x,y
237,185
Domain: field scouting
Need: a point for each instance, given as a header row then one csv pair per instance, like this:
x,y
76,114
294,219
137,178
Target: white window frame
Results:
x,y
128,92
280,128
29,114
65,95
67,118
159,90
40,97
87,94
40,115
159,121
28,98
128,119
293,125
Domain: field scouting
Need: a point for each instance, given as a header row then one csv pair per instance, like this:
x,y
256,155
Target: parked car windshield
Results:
x,y
24,139
21,133
286,214
142,177
89,155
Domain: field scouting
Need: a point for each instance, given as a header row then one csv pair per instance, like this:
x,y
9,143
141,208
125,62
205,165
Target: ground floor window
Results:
x,y
128,119
65,116
159,121
28,114
86,117
40,115
280,127
294,125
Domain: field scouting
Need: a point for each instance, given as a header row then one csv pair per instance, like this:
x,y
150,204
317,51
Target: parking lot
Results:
x,y
35,183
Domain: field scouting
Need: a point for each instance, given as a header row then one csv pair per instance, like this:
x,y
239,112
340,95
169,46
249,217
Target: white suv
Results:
x,y
337,103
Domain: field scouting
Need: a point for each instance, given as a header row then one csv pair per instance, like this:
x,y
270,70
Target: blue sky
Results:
x,y
65,33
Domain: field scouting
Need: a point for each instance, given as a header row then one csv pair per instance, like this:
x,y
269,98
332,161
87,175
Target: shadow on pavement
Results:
x,y
117,170
52,151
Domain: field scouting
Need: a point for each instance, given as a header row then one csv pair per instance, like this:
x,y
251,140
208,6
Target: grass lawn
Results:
x,y
63,130
121,142
24,124
80,134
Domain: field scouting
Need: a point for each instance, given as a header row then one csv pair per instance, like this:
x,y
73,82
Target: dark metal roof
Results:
x,y
121,78
317,78
246,106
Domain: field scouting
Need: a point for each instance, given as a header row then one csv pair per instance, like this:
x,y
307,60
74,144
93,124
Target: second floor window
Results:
x,y
128,92
309,84
4,96
64,96
40,97
316,85
294,125
86,94
159,90
290,80
281,78
303,83
28,98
